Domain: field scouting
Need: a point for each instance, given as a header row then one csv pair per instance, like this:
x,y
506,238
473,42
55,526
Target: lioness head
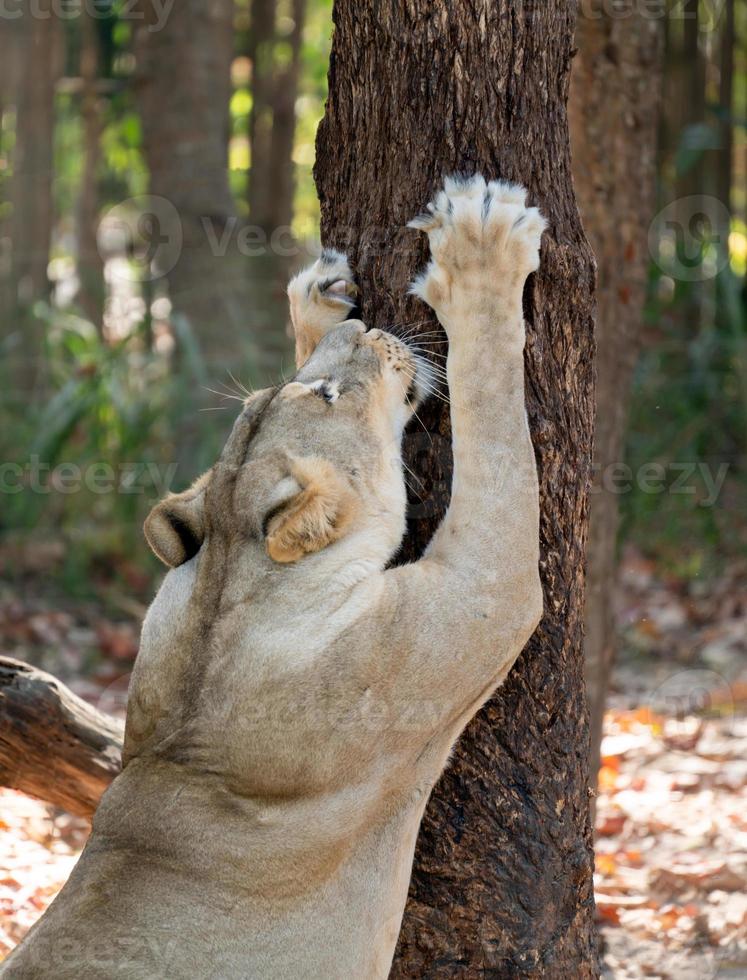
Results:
x,y
310,462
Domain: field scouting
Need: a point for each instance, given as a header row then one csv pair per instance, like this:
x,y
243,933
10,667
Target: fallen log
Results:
x,y
53,745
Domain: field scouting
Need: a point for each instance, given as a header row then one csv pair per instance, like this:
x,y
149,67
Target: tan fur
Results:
x,y
314,309
313,519
294,699
161,524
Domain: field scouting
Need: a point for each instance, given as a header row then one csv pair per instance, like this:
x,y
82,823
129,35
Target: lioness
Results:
x,y
294,701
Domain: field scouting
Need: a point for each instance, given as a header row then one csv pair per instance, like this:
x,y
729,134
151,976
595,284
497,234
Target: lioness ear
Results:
x,y
175,528
315,517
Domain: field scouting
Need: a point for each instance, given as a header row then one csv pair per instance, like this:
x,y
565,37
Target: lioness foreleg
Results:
x,y
475,598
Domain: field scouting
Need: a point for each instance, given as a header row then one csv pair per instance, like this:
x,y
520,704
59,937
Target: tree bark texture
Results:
x,y
502,883
614,115
52,744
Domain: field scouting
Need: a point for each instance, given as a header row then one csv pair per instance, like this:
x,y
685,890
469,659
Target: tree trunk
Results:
x,y
184,88
272,120
272,129
52,744
10,59
614,114
724,157
285,92
260,51
502,883
37,38
33,158
90,264
693,92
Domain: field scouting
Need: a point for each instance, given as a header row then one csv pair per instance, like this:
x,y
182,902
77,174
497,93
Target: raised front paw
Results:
x,y
321,298
484,243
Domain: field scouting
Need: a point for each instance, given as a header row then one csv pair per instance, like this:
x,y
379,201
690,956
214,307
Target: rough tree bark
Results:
x,y
502,883
614,115
52,744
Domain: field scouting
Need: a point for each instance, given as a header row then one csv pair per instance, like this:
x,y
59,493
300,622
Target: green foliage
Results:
x,y
125,174
689,416
68,153
85,465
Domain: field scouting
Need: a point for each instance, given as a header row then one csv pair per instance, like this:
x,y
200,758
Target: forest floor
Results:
x,y
671,867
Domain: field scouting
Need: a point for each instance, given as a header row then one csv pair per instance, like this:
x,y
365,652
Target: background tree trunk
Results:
x,y
36,36
10,67
724,159
692,93
272,129
502,883
285,92
260,53
272,120
90,264
184,90
213,285
32,201
614,115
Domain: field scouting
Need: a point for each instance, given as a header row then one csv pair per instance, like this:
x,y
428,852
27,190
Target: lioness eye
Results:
x,y
329,392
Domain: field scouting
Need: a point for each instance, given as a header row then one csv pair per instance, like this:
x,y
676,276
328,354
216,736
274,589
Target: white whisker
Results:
x,y
412,407
240,386
223,394
413,475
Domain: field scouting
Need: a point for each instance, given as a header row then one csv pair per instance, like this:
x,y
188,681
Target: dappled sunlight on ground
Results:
x,y
38,848
671,881
671,850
